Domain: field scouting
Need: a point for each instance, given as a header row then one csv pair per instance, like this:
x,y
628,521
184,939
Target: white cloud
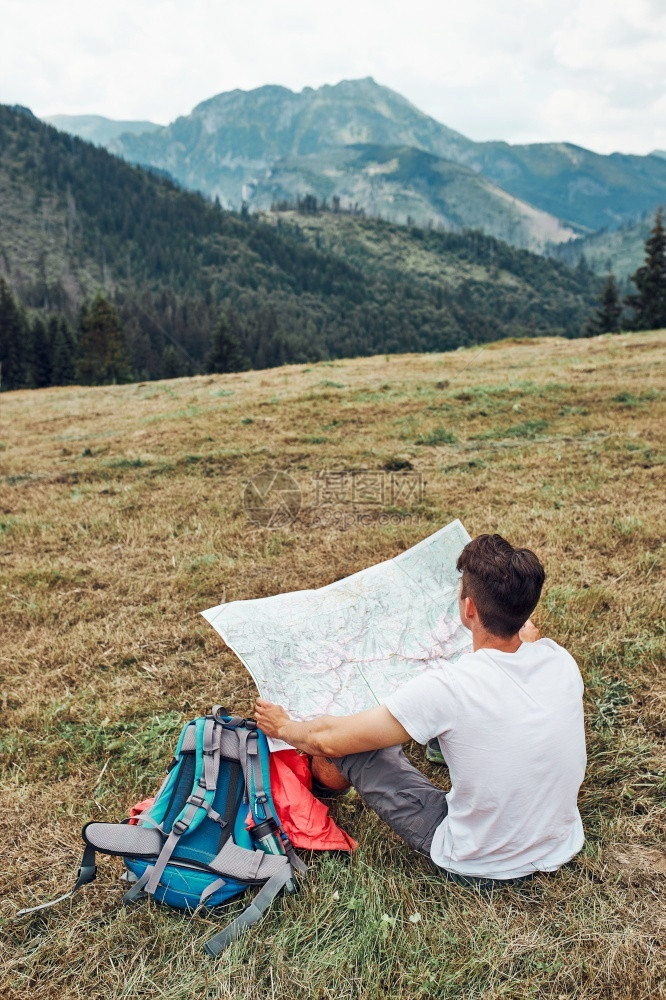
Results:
x,y
590,71
612,37
610,84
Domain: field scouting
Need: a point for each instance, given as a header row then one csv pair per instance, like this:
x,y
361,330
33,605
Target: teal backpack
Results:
x,y
192,848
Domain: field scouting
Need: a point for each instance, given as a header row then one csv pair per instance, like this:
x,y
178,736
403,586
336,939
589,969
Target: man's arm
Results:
x,y
332,735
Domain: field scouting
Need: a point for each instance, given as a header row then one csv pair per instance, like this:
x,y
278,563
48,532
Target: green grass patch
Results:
x,y
627,525
574,411
469,466
610,695
636,398
440,435
202,562
128,463
511,390
526,429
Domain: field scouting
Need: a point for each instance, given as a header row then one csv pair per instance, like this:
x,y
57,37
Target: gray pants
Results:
x,y
402,796
410,804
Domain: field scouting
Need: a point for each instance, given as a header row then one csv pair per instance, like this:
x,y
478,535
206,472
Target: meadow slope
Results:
x,y
121,517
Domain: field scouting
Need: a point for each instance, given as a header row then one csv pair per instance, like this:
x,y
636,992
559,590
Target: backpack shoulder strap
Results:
x,y
261,799
198,736
199,804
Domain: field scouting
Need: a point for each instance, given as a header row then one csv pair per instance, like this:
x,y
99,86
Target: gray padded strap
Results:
x,y
255,765
161,863
294,859
225,739
207,783
189,743
136,893
211,754
210,889
251,915
238,862
177,830
121,838
228,743
245,767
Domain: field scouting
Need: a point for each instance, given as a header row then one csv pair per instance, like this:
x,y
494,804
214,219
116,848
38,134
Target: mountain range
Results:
x,y
74,218
368,146
98,129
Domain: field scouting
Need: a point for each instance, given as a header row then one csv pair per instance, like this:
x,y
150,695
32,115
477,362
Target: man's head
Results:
x,y
500,584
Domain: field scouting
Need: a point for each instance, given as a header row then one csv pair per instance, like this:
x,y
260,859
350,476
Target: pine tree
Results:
x,y
608,317
649,304
41,349
103,356
63,347
172,363
13,327
226,353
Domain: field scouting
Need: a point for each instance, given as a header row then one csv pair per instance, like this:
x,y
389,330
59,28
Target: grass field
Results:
x,y
122,517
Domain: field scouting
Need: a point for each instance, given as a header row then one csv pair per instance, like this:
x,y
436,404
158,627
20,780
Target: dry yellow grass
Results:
x,y
121,517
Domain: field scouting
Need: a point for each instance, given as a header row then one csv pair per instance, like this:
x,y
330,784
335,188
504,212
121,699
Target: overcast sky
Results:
x,y
591,72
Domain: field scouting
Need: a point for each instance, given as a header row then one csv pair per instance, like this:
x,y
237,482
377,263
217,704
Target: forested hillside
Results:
x,y
74,219
618,250
407,185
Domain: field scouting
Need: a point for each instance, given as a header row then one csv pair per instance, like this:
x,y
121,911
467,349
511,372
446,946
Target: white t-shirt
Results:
x,y
510,726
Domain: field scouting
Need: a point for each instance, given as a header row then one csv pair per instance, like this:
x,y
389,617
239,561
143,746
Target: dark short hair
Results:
x,y
504,583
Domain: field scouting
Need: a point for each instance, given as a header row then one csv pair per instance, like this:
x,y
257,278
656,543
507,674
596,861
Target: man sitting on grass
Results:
x,y
508,719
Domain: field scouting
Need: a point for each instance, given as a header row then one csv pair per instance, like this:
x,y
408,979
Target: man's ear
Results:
x,y
470,608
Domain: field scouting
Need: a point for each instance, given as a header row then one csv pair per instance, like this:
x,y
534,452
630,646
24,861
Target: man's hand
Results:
x,y
529,632
270,718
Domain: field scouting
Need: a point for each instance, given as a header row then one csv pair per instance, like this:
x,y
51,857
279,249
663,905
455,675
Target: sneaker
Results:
x,y
434,753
